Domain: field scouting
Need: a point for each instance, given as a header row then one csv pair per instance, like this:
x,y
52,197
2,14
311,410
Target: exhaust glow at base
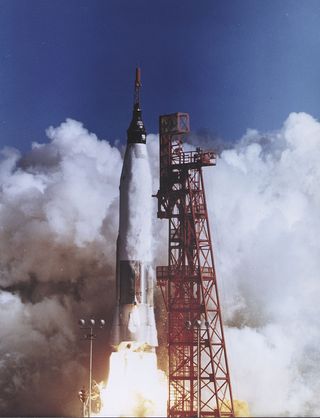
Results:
x,y
136,388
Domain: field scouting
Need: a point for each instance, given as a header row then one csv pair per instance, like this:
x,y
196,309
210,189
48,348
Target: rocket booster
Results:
x,y
134,319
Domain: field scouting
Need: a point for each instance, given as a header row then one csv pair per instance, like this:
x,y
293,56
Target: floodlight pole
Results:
x,y
90,336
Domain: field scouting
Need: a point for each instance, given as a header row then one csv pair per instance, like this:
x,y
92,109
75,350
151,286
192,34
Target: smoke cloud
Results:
x,y
58,222
59,225
264,203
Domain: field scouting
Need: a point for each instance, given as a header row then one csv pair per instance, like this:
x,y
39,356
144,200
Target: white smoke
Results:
x,y
59,224
264,203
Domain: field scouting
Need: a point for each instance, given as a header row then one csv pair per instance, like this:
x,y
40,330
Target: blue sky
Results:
x,y
232,65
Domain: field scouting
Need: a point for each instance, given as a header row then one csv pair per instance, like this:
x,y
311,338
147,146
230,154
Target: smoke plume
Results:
x,y
264,202
58,220
59,225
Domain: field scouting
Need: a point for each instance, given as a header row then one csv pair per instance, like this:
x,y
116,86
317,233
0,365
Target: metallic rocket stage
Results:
x,y
134,319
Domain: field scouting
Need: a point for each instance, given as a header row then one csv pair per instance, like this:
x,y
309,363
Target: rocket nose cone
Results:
x,y
136,132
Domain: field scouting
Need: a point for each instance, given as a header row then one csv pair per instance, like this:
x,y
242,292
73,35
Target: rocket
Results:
x,y
134,320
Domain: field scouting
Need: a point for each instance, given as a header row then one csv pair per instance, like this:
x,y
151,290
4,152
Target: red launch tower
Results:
x,y
199,380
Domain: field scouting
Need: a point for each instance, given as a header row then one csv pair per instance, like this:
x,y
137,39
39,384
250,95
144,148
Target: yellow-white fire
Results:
x,y
135,386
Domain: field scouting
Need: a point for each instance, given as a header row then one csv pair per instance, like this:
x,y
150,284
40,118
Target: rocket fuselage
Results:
x,y
134,317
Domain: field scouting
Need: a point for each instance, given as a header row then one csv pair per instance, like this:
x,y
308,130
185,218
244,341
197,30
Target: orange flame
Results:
x,y
135,386
241,408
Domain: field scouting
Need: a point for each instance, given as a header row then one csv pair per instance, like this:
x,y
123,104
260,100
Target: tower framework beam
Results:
x,y
199,379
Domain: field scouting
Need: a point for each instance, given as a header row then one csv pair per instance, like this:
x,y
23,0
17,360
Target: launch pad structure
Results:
x,y
199,379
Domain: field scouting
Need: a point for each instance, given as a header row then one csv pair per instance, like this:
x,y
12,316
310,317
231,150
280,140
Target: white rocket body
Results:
x,y
134,319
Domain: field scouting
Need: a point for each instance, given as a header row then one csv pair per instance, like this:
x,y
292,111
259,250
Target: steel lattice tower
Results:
x,y
199,380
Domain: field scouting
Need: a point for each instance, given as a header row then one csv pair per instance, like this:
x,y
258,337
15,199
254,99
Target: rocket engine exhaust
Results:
x,y
134,320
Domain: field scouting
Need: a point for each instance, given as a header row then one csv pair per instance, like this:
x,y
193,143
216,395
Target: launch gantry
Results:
x,y
199,380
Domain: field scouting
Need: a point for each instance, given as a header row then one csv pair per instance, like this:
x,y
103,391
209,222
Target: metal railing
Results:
x,y
193,157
